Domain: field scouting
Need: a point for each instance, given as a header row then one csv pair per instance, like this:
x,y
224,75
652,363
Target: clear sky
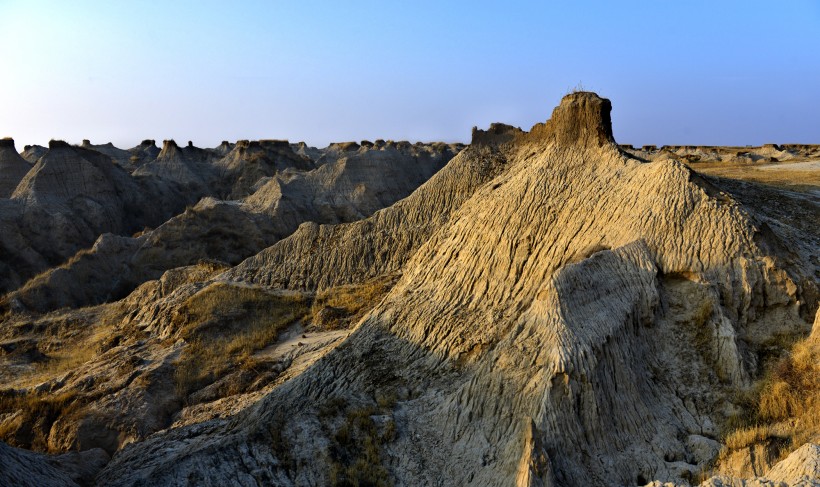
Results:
x,y
711,72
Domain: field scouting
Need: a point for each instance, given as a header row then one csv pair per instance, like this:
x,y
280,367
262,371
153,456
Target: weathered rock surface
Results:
x,y
344,190
120,156
13,168
146,151
557,312
242,168
91,276
32,153
330,255
24,468
764,153
800,469
188,167
70,197
536,332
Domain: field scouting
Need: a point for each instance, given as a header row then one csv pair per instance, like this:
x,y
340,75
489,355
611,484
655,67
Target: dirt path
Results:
x,y
296,343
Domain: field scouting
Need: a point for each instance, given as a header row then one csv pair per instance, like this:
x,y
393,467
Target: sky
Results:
x,y
710,73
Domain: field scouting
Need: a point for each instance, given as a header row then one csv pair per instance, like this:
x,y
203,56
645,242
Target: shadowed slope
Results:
x,y
13,168
70,197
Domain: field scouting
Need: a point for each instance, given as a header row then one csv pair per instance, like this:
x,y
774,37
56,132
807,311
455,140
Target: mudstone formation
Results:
x,y
552,309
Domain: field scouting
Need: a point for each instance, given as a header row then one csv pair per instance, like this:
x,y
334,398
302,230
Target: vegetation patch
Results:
x,y
224,324
341,306
36,414
355,445
784,407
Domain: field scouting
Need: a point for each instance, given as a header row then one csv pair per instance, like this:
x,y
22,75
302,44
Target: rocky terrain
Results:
x,y
183,205
538,308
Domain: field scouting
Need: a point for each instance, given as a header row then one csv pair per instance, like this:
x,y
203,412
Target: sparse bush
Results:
x,y
332,407
389,433
579,88
703,313
387,399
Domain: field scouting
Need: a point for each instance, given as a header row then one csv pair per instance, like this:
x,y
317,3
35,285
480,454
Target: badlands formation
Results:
x,y
542,308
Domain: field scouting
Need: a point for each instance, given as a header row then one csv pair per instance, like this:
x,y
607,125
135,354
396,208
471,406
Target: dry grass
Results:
x,y
792,393
785,405
70,355
67,347
745,437
224,324
37,413
351,302
791,179
355,450
65,360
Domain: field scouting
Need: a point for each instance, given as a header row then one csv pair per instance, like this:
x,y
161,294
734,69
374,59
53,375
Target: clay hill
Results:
x,y
541,308
84,227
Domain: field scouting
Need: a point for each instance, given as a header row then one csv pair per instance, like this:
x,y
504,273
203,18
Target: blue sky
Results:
x,y
676,72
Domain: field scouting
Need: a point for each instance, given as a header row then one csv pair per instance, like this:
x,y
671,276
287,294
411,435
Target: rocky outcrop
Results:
x,y
67,174
91,276
120,156
187,167
330,255
146,151
13,168
566,315
800,469
32,153
547,310
303,149
744,155
350,187
580,119
248,162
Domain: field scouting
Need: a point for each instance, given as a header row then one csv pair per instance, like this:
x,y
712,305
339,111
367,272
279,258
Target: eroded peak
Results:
x,y
169,144
498,133
582,118
58,144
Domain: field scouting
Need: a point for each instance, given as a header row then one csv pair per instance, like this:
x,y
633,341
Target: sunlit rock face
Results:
x,y
543,307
